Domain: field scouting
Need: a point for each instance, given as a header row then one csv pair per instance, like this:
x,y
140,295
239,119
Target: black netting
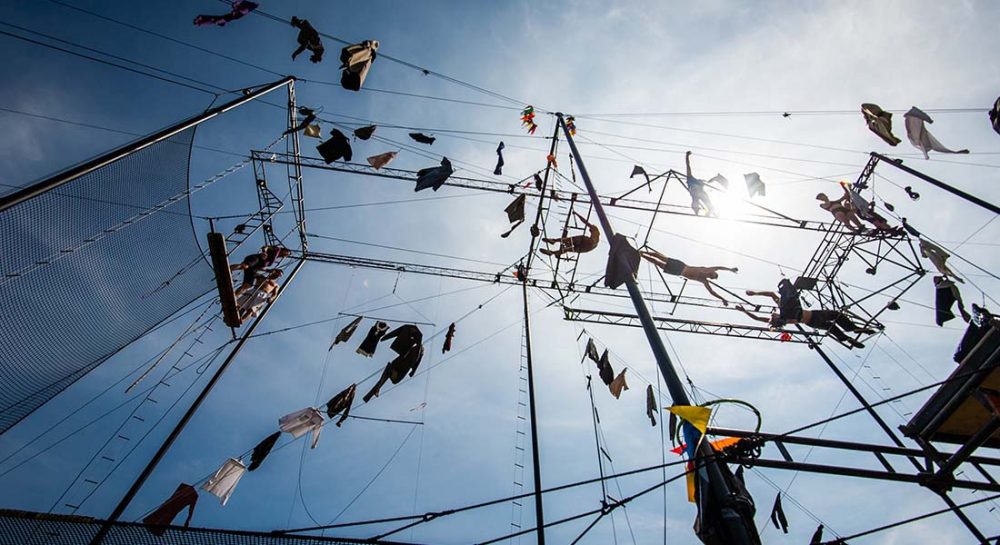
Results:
x,y
20,528
82,271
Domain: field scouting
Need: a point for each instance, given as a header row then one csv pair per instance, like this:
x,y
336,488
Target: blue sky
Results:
x,y
580,58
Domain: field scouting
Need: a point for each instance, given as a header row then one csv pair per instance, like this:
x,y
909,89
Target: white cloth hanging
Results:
x,y
302,422
225,480
920,137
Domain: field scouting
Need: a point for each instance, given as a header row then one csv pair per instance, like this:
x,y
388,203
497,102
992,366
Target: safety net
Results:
x,y
90,266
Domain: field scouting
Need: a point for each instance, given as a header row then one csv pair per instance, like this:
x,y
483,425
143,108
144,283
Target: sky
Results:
x,y
647,81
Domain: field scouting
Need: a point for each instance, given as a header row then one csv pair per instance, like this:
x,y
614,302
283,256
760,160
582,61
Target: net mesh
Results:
x,y
20,528
89,267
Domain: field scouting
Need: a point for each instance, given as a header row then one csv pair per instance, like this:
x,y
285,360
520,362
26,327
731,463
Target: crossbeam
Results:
x,y
689,326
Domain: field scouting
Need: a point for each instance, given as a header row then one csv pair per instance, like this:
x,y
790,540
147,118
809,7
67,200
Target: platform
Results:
x,y
223,279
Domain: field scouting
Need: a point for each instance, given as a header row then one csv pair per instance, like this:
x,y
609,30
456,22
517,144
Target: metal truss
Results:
x,y
294,171
688,326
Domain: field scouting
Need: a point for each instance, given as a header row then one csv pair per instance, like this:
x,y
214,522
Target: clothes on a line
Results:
x,y
346,333
163,516
224,481
916,131
434,177
341,403
499,168
239,9
308,38
382,159
422,138
356,60
262,450
336,148
375,334
301,422
879,122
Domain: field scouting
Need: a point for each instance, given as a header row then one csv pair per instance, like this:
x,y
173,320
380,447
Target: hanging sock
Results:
x,y
337,147
618,385
778,515
356,60
382,159
313,131
879,122
754,185
605,371
650,405
591,352
515,214
345,334
222,484
375,334
995,116
528,119
721,180
302,422
448,338
817,537
308,38
422,138
341,402
434,177
365,133
920,137
262,450
239,9
499,169
623,262
158,520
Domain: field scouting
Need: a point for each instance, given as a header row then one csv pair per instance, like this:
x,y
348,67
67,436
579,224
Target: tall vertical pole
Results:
x,y
737,532
179,427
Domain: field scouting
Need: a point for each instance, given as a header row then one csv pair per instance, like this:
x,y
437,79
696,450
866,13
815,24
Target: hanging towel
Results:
x,y
817,537
778,515
262,450
345,334
337,147
623,262
382,159
302,422
184,496
879,122
920,137
650,405
422,138
240,8
313,131
225,480
341,403
499,169
515,214
375,334
434,177
365,133
356,60
618,384
719,179
448,338
605,371
995,116
754,185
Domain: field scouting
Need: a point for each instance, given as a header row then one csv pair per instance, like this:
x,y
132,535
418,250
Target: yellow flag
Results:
x,y
694,415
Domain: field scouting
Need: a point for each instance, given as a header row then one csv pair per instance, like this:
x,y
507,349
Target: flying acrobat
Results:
x,y
579,244
677,267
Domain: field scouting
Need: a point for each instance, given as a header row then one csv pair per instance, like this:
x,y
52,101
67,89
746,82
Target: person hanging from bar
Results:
x,y
308,117
308,38
408,344
696,187
939,258
238,10
250,303
842,210
790,311
254,266
866,211
677,267
579,244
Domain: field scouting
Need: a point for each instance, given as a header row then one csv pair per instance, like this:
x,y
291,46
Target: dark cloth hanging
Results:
x,y
403,338
604,369
337,147
623,262
995,116
356,60
879,122
538,182
944,299
499,169
672,427
637,170
448,337
345,334
716,514
341,402
365,133
754,185
909,228
310,116
789,303
591,352
308,38
397,369
515,214
371,341
158,520
240,8
778,515
817,537
434,177
422,138
650,404
978,326
262,450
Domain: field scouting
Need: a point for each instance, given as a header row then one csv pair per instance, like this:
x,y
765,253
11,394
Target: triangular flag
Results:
x,y
695,415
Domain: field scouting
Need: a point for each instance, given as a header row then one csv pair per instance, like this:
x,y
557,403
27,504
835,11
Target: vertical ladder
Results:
x,y
520,440
269,204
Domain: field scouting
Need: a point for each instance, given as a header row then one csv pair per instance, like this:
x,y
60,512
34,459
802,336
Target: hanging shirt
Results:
x,y
240,8
754,185
302,422
356,60
515,214
618,384
920,137
184,496
422,138
936,255
404,338
945,295
650,404
499,169
604,369
262,450
623,262
591,352
365,133
341,403
879,122
368,346
448,337
382,159
434,177
337,147
225,480
396,370
345,334
995,116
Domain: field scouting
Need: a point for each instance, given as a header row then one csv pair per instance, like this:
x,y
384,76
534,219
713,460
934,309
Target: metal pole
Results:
x,y
953,190
736,530
87,167
179,427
